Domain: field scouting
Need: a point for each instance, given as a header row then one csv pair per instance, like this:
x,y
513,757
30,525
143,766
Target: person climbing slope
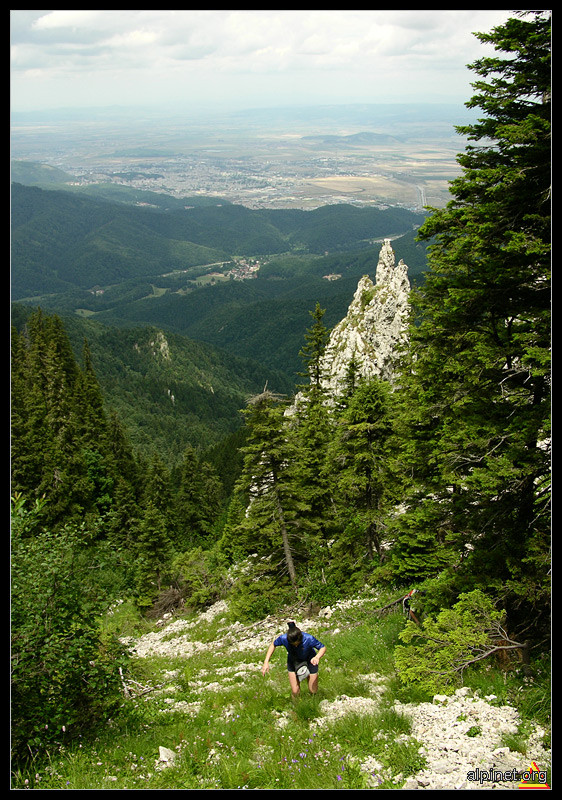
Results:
x,y
304,652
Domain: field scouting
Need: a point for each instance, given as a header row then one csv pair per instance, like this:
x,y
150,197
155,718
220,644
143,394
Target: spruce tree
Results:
x,y
275,516
311,431
316,337
360,456
197,502
152,553
47,453
479,386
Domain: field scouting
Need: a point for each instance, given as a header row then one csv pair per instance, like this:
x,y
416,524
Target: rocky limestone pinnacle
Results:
x,y
374,327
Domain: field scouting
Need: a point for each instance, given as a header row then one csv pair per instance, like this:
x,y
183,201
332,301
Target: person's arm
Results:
x,y
318,655
268,655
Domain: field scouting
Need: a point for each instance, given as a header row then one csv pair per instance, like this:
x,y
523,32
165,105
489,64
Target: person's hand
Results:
x,y
265,668
314,660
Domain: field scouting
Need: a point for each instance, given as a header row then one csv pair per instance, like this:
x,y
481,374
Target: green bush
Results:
x,y
257,595
201,576
64,673
450,643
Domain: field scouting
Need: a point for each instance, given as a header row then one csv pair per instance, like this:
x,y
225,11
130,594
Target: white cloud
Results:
x,y
229,56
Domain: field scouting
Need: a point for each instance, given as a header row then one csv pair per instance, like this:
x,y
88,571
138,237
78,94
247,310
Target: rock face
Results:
x,y
375,325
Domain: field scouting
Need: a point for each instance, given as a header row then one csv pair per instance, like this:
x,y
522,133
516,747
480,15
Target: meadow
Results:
x,y
199,714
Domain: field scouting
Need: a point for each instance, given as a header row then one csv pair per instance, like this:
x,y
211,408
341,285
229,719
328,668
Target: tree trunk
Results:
x,y
285,539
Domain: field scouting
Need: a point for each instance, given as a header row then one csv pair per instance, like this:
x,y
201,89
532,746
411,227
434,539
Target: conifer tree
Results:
x,y
360,457
197,501
123,519
153,553
90,404
317,337
311,430
63,447
157,486
47,456
275,511
478,387
120,452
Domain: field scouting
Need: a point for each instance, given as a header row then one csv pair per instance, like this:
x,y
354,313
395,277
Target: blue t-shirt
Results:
x,y
304,652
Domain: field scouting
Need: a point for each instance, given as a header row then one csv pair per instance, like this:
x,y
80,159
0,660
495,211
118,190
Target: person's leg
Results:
x,y
313,683
295,686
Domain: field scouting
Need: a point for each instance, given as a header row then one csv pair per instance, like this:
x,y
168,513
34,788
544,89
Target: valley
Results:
x,y
223,231
270,158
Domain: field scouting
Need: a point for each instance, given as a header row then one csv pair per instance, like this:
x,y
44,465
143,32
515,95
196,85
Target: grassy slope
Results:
x,y
200,693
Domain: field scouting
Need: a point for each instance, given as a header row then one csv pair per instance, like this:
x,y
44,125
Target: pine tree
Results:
x,y
123,519
90,405
317,337
157,486
274,516
478,390
153,553
63,447
47,455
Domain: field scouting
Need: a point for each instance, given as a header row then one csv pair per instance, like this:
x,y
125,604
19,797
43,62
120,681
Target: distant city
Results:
x,y
404,156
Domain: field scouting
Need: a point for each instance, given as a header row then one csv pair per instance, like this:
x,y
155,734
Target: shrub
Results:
x,y
64,673
257,595
463,635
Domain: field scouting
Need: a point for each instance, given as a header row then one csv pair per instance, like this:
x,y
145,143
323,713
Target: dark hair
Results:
x,y
294,636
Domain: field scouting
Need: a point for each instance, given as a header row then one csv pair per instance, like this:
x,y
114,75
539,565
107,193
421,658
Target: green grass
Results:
x,y
233,728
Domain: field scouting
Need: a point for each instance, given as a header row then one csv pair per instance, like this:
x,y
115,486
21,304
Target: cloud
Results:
x,y
122,55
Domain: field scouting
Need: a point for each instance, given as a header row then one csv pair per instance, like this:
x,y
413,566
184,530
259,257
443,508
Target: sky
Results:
x,y
243,59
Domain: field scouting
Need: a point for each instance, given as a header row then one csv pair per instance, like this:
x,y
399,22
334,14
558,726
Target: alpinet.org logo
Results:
x,y
532,778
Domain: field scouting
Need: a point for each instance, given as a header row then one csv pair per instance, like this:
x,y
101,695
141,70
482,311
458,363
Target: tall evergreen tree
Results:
x,y
90,405
275,513
153,553
312,352
479,383
197,502
157,486
47,455
360,457
63,447
311,430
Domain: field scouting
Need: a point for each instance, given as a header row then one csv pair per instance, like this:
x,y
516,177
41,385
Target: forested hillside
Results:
x,y
438,480
130,266
63,240
168,390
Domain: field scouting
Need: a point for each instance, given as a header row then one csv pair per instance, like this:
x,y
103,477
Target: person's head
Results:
x,y
294,635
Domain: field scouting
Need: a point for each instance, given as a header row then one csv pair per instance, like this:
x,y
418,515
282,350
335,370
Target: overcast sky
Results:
x,y
243,59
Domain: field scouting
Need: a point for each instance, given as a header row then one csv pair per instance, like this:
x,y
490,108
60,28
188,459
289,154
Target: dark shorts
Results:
x,y
312,668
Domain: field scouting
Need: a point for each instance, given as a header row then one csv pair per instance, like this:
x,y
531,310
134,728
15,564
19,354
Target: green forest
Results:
x,y
440,481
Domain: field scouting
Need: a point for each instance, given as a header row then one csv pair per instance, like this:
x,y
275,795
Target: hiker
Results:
x,y
408,611
304,652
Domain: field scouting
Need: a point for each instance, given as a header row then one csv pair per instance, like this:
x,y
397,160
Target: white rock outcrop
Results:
x,y
375,325
463,739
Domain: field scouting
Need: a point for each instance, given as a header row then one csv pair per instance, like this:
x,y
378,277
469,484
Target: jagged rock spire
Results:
x,y
375,325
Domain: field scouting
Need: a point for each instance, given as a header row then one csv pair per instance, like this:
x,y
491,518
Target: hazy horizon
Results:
x,y
207,61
